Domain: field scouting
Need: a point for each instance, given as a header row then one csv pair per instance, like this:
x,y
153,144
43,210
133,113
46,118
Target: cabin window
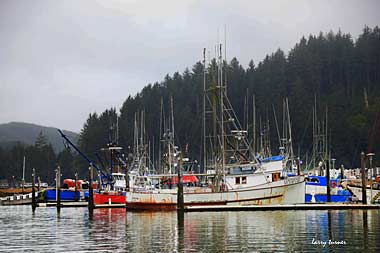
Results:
x,y
237,180
275,177
244,180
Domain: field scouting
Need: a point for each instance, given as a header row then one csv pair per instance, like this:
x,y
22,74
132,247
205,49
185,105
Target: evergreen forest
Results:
x,y
333,71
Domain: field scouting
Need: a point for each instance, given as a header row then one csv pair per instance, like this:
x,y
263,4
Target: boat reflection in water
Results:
x,y
242,231
119,231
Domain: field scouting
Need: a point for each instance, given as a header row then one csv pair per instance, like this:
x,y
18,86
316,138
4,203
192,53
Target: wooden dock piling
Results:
x,y
34,204
364,181
76,187
90,191
328,182
58,190
180,200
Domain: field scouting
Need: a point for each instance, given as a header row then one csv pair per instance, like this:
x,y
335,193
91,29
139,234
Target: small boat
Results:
x,y
316,190
109,197
112,183
68,191
372,193
115,196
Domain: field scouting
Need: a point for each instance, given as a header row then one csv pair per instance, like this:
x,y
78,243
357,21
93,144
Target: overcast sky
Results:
x,y
61,60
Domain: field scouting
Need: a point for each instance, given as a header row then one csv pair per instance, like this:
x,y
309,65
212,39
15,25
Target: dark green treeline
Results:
x,y
40,156
342,73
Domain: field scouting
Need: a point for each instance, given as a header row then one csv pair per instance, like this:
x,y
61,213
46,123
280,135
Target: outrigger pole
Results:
x,y
91,163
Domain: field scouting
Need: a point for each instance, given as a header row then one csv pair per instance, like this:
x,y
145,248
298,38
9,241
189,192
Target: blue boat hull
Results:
x,y
317,186
319,198
66,195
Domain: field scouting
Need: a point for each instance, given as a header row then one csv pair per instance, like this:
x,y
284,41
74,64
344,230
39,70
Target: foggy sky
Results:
x,y
61,60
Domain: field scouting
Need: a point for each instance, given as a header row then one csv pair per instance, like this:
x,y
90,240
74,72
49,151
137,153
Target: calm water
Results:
x,y
119,231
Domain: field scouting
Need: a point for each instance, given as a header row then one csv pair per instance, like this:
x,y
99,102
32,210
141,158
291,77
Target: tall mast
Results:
x,y
275,120
23,170
159,139
254,124
225,58
172,116
117,129
326,137
289,129
204,109
135,136
222,110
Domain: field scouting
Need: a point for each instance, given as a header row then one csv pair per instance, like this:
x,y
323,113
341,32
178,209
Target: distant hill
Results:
x,y
18,132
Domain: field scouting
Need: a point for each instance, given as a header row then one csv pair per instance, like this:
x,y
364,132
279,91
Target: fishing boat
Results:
x,y
372,189
68,191
112,183
233,174
316,190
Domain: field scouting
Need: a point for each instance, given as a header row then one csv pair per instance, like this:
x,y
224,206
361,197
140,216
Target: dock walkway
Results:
x,y
327,206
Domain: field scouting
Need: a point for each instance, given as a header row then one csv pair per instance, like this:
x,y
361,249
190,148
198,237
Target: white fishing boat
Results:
x,y
233,174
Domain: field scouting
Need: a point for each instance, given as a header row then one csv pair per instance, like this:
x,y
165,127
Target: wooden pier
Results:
x,y
327,206
79,204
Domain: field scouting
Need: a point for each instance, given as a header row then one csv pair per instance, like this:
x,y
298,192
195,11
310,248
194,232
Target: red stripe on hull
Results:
x,y
105,199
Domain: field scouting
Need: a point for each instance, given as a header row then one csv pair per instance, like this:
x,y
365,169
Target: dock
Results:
x,y
79,204
327,206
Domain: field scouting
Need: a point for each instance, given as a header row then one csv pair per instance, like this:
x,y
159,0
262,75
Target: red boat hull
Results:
x,y
106,198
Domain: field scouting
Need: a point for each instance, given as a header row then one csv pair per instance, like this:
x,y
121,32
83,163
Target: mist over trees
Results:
x,y
341,72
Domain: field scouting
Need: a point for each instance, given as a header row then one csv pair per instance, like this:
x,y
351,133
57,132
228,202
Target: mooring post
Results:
x,y
298,166
126,178
76,187
180,200
39,184
328,182
364,181
90,191
370,173
33,191
58,190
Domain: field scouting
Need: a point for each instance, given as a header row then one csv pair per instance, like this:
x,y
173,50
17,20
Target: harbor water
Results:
x,y
115,230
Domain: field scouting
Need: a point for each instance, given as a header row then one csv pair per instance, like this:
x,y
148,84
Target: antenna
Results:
x,y
225,59
117,129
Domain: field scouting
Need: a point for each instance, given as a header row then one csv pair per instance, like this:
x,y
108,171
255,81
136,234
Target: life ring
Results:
x,y
333,184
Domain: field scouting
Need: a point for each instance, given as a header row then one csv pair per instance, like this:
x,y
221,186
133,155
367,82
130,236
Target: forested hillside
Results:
x,y
341,72
42,147
25,133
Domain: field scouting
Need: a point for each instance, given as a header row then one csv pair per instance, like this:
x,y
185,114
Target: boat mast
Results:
x,y
222,111
204,110
23,173
225,58
290,132
117,129
275,120
254,124
172,117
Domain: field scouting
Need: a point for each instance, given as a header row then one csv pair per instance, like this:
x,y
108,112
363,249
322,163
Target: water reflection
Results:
x,y
119,231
